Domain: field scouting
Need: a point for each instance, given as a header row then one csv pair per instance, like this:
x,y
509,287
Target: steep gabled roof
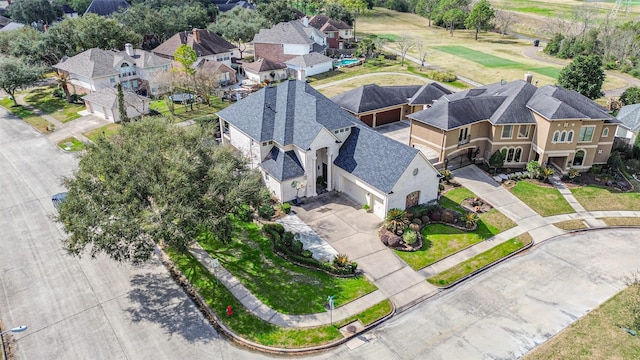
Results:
x,y
292,113
212,66
370,97
109,98
292,32
207,43
428,93
629,116
556,103
106,7
309,59
262,64
282,165
374,158
325,23
99,63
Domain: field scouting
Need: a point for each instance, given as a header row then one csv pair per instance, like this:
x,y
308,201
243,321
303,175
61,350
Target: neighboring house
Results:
x,y
552,125
629,116
310,64
12,26
339,33
288,40
378,105
226,5
223,74
304,144
69,12
106,7
206,44
4,21
96,69
265,69
104,103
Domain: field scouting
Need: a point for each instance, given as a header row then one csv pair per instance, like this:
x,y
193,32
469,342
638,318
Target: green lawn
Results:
x,y
106,130
42,99
442,240
483,259
27,115
492,61
571,225
287,288
71,144
598,198
597,335
250,327
544,200
183,113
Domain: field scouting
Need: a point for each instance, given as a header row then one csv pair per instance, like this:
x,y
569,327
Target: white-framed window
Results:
x,y
578,159
512,154
507,131
586,133
556,136
563,136
605,132
523,131
463,135
570,136
518,155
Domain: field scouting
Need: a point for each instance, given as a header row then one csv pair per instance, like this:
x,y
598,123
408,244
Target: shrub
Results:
x,y
435,216
394,240
396,220
366,207
414,227
410,237
341,260
447,216
244,213
615,161
266,212
417,222
596,169
443,76
470,219
307,253
496,160
573,173
286,208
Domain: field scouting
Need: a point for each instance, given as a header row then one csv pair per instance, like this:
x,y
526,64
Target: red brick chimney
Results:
x,y
196,35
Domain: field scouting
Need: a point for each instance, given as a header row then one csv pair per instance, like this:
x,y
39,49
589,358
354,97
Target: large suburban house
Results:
x,y
629,116
552,125
339,33
295,43
265,69
97,69
304,144
378,105
104,103
207,45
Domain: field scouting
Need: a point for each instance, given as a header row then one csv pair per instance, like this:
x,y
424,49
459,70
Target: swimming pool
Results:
x,y
345,62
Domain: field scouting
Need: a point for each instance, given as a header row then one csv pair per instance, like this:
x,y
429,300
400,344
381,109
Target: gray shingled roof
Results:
x,y
376,159
428,93
309,59
556,103
371,97
291,32
109,98
98,63
629,116
290,113
209,43
106,7
282,165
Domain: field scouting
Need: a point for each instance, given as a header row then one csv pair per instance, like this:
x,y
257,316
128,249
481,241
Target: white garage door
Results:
x,y
354,191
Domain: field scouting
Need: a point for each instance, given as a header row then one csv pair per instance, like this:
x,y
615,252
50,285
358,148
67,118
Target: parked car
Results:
x,y
57,199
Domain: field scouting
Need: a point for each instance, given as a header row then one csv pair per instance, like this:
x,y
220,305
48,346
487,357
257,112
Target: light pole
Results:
x,y
331,306
15,330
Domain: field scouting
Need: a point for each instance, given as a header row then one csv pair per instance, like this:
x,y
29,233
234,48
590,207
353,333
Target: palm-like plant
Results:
x,y
62,79
471,219
547,172
396,219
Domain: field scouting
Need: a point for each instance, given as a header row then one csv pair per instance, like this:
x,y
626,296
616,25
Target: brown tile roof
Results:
x,y
263,65
209,43
212,66
320,21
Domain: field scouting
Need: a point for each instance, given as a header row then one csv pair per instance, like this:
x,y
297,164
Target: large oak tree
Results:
x,y
155,183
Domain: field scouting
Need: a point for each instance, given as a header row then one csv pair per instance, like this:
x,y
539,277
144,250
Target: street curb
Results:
x,y
214,320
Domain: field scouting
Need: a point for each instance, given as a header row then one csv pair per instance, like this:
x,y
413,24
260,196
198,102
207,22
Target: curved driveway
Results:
x,y
517,305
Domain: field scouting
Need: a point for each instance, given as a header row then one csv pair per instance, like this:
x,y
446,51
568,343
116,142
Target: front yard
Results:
x,y
187,112
545,200
27,115
599,198
42,99
441,240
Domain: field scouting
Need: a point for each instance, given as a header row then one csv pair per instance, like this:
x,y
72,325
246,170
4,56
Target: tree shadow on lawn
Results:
x,y
159,300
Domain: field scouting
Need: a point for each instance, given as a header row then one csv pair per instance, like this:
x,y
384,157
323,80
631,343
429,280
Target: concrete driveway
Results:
x,y
510,309
353,231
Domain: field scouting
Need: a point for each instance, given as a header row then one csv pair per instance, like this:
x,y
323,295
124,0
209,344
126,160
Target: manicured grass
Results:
x,y
544,200
287,288
483,259
42,99
367,317
71,144
106,130
621,221
597,335
495,220
183,113
598,198
492,61
570,225
27,115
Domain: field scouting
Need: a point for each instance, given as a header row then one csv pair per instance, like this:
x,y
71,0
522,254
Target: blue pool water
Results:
x,y
344,62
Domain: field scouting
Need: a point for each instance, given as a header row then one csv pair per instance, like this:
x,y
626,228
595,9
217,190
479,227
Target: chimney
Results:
x,y
528,77
196,35
305,21
129,49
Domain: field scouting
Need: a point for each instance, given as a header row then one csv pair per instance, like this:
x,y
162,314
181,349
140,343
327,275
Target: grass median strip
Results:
x,y
621,221
571,225
248,326
25,114
465,268
71,144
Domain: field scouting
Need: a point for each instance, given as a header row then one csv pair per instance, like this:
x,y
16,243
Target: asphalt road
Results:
x,y
97,309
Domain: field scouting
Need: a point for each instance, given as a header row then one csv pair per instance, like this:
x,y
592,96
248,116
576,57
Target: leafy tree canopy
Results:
x,y
480,17
239,25
584,74
33,11
631,96
277,11
155,183
186,56
16,74
337,11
